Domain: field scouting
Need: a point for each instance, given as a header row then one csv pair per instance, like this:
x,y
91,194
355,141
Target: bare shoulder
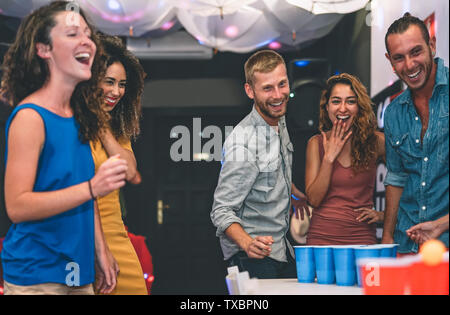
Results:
x,y
27,118
313,142
27,129
312,148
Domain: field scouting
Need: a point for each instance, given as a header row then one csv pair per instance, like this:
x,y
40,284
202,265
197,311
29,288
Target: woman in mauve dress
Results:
x,y
341,166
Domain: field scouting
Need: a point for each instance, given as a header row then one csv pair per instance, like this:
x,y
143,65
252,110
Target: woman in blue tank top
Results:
x,y
50,186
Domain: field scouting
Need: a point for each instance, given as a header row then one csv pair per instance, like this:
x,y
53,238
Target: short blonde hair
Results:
x,y
262,61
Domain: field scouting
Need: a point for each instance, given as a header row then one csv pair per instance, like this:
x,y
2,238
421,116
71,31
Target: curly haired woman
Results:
x,y
122,87
50,78
341,166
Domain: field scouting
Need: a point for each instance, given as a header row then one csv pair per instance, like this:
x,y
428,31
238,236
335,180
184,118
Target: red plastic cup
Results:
x,y
385,276
430,280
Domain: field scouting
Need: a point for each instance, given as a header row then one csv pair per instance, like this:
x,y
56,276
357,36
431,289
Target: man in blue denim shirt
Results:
x,y
417,140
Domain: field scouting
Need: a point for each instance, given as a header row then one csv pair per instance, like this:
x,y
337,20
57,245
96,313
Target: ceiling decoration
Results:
x,y
223,25
329,6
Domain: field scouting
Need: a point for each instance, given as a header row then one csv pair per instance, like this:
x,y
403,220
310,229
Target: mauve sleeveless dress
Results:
x,y
334,221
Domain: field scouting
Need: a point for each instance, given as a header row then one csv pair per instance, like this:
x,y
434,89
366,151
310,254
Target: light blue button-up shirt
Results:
x,y
420,168
254,186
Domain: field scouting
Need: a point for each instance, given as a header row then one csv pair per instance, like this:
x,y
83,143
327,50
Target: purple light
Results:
x,y
105,16
167,26
121,19
137,15
274,45
231,31
116,18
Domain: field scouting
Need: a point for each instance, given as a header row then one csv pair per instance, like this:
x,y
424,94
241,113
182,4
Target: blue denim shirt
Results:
x,y
420,168
254,185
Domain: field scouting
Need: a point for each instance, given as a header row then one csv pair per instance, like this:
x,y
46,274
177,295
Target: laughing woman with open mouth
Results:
x,y
50,186
341,166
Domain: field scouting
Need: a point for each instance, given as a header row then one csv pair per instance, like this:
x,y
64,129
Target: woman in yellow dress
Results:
x,y
122,89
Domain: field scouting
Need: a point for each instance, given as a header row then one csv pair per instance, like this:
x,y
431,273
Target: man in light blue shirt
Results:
x,y
252,198
417,140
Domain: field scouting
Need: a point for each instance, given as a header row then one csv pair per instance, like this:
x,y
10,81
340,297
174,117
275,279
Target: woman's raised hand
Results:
x,y
333,146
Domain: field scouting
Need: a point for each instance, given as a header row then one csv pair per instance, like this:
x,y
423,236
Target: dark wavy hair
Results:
x,y
126,115
402,24
25,72
364,140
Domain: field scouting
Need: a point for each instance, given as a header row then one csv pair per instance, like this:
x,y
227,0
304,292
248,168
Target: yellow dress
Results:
x,y
131,278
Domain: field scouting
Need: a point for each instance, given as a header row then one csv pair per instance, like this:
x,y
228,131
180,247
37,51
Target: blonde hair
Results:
x,y
262,61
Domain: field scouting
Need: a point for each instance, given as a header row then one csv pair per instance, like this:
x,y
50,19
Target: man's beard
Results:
x,y
264,107
428,66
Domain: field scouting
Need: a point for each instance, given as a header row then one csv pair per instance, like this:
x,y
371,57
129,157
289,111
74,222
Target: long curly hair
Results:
x,y
25,72
364,140
126,115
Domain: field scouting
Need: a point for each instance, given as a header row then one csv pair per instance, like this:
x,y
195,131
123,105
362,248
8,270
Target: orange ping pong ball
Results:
x,y
432,252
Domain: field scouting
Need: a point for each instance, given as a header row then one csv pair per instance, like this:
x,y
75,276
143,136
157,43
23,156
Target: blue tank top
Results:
x,y
59,249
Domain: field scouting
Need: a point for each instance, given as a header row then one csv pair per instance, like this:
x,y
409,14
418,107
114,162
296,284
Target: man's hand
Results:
x,y
259,247
423,232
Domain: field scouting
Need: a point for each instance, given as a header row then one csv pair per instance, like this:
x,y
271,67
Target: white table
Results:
x,y
293,287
